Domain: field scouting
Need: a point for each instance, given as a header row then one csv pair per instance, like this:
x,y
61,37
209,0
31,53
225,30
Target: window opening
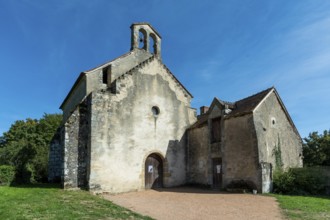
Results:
x,y
155,111
105,75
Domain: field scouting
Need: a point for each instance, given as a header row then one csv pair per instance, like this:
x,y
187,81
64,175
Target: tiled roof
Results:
x,y
248,104
201,120
241,107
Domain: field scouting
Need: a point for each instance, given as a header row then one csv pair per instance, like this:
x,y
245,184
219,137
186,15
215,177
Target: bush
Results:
x,y
302,181
283,182
7,174
310,180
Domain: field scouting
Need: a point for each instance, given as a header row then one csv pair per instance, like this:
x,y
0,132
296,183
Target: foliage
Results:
x,y
316,149
26,146
277,152
50,202
311,180
302,181
305,207
7,174
283,182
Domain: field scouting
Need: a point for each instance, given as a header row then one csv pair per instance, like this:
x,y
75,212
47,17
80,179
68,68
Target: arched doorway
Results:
x,y
153,172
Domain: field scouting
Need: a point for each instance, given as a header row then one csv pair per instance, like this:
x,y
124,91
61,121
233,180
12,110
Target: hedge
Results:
x,y
303,181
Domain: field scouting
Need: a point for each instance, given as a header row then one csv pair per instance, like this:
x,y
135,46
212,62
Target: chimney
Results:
x,y
203,109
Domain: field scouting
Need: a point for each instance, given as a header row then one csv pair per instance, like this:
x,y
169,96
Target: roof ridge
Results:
x,y
174,77
225,102
138,66
251,96
108,62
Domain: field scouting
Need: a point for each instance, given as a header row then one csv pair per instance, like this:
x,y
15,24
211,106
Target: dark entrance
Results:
x,y
217,172
153,172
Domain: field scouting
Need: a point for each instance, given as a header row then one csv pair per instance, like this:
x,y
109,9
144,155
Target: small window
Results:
x,y
272,121
105,75
155,111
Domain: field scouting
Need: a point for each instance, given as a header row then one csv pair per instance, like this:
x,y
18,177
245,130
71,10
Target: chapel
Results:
x,y
128,125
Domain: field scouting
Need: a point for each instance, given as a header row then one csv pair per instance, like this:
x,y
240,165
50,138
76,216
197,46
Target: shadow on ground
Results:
x,y
38,185
191,189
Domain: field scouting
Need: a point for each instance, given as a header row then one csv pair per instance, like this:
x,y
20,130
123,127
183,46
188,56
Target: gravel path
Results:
x,y
193,203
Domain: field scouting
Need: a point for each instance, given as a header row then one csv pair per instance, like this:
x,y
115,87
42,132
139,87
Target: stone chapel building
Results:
x,y
128,125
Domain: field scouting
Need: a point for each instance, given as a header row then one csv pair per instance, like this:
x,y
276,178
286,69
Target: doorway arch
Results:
x,y
153,172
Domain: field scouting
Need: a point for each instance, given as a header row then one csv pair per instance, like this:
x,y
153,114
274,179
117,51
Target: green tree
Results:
x,y
26,146
316,149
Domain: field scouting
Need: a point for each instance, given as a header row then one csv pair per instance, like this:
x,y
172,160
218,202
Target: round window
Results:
x,y
155,111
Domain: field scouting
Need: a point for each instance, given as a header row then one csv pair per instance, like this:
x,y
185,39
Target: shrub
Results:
x,y
302,181
7,174
283,182
310,180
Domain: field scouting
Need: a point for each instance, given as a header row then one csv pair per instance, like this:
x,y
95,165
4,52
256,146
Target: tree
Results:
x,y
316,149
26,146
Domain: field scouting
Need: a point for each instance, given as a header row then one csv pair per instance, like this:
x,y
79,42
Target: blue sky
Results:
x,y
229,49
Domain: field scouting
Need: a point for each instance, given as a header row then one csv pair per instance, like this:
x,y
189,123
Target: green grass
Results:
x,y
51,202
304,207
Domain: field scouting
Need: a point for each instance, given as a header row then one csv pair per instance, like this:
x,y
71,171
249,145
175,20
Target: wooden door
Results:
x,y
153,172
217,173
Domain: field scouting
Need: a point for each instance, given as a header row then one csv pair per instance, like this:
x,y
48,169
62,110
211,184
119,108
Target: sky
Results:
x,y
216,48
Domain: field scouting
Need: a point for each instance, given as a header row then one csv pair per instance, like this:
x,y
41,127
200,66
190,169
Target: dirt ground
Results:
x,y
193,203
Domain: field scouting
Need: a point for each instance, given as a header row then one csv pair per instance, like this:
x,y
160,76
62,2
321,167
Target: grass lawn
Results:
x,y
304,207
51,202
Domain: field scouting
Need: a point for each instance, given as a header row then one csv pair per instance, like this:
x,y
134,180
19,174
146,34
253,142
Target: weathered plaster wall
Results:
x,y
280,132
198,156
92,80
124,130
240,159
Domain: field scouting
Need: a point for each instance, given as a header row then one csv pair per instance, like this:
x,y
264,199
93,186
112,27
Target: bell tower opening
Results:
x,y
142,39
144,36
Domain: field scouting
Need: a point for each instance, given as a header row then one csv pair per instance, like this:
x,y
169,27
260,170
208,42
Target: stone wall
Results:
x,y
91,80
199,164
240,152
76,159
274,129
55,161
